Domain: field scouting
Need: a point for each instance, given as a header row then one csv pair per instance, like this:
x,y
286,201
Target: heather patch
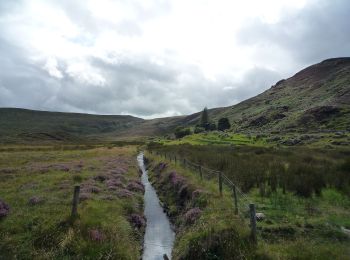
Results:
x,y
192,215
39,188
4,209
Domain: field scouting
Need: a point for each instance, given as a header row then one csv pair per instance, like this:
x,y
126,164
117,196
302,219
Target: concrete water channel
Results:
x,y
159,235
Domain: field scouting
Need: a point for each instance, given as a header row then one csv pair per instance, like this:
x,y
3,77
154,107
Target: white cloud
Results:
x,y
157,57
51,68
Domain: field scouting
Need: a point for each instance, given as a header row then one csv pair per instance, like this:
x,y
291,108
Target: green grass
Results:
x,y
45,230
218,233
312,220
215,138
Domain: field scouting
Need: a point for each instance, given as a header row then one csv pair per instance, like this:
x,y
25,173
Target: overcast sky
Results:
x,y
154,58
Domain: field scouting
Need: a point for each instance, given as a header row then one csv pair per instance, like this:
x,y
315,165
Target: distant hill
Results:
x,y
315,99
30,125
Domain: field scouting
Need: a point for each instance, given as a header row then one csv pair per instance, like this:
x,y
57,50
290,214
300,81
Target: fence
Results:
x,y
241,203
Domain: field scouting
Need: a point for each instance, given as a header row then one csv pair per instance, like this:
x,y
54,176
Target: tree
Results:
x,y
182,131
223,124
211,126
204,118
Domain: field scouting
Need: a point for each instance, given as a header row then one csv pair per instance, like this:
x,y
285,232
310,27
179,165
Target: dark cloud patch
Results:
x,y
319,31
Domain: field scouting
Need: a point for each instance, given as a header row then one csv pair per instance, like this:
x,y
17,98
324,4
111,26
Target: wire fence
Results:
x,y
242,205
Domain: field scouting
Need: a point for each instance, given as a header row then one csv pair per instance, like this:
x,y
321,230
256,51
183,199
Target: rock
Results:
x,y
35,200
278,116
260,216
259,121
4,209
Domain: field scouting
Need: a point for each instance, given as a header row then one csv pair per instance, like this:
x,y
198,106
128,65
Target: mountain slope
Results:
x,y
316,98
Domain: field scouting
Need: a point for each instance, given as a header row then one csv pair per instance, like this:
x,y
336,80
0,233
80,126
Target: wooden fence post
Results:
x,y
175,159
220,183
200,171
252,222
235,198
184,163
75,201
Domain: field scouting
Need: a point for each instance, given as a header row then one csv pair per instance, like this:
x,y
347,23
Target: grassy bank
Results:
x,y
206,226
37,185
303,193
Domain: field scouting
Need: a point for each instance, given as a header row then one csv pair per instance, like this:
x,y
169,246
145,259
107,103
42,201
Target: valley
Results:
x,y
286,150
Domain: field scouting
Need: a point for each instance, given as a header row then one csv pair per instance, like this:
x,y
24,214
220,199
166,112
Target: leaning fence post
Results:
x,y
220,183
252,222
75,201
235,198
200,171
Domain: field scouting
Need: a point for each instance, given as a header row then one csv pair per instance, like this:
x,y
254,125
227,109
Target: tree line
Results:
x,y
204,125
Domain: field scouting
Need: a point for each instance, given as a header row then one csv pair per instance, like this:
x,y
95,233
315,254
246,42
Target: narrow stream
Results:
x,y
159,236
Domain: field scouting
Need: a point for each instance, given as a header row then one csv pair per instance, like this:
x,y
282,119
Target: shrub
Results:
x,y
182,131
199,129
223,124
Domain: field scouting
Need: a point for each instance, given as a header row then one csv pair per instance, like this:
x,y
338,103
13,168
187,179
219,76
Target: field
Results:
x,y
37,184
326,140
303,193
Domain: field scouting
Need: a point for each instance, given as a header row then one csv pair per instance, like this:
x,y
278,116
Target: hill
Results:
x,y
315,99
30,125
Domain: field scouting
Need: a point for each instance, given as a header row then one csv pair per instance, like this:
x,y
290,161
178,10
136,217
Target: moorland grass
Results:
x,y
303,192
45,230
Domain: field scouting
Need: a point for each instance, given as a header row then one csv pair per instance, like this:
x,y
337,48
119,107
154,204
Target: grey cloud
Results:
x,y
320,30
136,85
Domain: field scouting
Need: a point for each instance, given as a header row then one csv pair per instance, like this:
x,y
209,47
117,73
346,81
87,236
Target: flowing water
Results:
x,y
159,236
